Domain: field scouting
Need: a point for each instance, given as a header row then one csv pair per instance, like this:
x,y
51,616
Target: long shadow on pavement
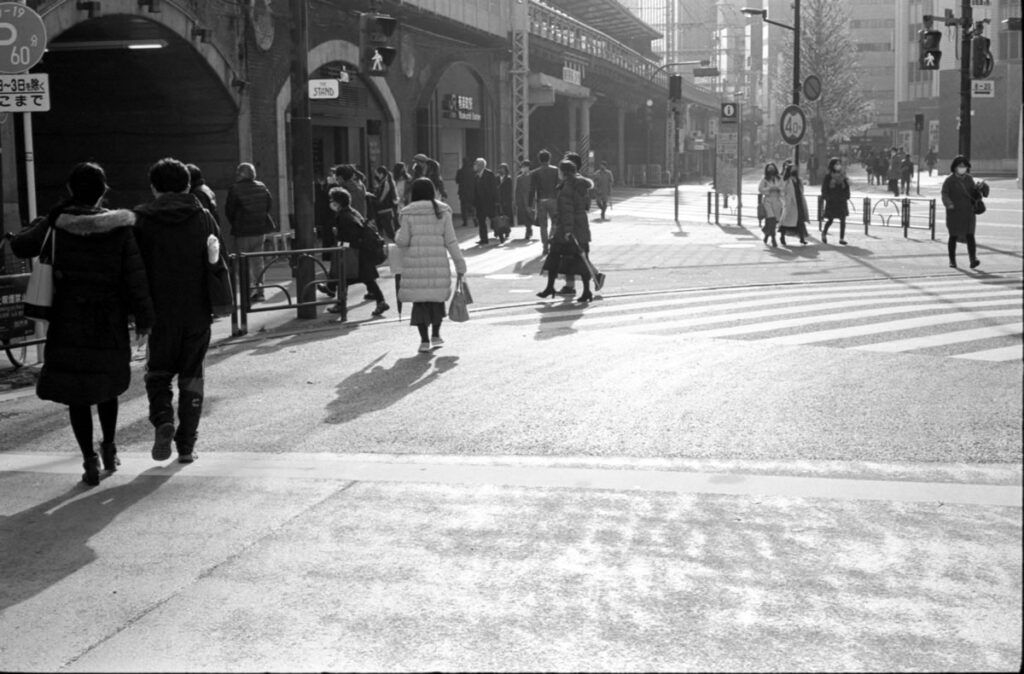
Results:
x,y
376,387
48,542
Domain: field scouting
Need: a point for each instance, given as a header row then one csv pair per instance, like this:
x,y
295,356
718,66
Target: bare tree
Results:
x,y
828,51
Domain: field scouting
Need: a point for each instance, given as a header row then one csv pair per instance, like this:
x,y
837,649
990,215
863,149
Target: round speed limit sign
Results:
x,y
22,38
793,124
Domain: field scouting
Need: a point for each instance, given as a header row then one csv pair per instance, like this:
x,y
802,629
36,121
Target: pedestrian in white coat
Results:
x,y
425,240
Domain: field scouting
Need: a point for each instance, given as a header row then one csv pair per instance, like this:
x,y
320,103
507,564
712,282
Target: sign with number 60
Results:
x,y
22,38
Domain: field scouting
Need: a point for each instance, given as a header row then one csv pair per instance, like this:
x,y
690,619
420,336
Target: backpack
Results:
x,y
372,242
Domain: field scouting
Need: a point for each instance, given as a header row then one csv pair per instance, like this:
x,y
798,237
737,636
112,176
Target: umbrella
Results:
x,y
398,283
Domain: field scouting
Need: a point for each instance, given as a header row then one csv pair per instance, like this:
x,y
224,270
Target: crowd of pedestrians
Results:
x,y
782,206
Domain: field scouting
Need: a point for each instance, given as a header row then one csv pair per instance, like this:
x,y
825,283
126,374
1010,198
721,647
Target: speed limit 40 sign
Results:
x,y
792,124
22,38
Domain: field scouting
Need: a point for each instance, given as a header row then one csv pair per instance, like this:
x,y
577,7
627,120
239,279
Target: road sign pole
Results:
x,y
966,23
30,166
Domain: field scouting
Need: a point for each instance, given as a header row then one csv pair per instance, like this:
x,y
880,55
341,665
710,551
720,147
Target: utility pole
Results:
x,y
966,23
302,158
796,71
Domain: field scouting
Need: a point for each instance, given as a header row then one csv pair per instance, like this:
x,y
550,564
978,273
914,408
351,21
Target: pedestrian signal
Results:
x,y
981,58
928,42
675,87
376,51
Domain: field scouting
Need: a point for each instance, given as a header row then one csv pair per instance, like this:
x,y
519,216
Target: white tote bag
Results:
x,y
39,295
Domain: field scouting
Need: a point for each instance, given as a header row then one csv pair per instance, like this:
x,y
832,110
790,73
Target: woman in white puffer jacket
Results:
x,y
425,240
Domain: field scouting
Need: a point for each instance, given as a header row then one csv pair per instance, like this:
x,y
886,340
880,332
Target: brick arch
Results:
x,y
65,15
322,54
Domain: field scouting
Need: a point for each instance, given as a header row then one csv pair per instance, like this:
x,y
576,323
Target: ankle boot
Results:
x,y
108,452
91,476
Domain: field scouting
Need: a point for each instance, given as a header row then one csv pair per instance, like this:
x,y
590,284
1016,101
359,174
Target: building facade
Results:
x,y
211,83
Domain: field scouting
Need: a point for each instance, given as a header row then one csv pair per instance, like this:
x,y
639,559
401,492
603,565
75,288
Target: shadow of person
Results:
x,y
376,387
48,542
556,320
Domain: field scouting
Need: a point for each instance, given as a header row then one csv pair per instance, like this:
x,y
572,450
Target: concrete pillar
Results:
x,y
585,144
572,106
620,132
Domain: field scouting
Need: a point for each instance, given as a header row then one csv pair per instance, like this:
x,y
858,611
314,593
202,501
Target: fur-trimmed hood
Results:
x,y
86,222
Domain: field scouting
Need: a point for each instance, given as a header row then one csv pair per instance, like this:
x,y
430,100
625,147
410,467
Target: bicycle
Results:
x,y
17,352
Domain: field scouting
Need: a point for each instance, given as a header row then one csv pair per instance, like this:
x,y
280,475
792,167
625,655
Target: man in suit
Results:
x,y
486,198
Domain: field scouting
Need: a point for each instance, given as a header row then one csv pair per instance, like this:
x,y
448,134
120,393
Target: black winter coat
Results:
x,y
172,232
99,279
486,194
349,225
836,193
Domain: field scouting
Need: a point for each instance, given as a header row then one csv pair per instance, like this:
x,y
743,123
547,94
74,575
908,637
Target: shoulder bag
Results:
x,y
39,295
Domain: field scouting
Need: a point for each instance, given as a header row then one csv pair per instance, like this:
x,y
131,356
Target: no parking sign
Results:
x,y
22,38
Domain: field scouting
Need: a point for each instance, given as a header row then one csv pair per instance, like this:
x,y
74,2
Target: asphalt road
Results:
x,y
737,459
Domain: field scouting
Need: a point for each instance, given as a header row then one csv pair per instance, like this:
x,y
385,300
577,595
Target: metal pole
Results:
x,y
302,160
796,70
919,162
966,23
675,157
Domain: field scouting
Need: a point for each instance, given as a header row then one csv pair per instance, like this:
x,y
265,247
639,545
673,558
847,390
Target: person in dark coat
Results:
x,y
99,281
466,182
835,188
349,225
174,233
505,212
906,174
959,192
247,207
486,193
202,191
570,234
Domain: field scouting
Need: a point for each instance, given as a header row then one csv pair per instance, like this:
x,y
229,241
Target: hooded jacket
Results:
x,y
99,280
172,232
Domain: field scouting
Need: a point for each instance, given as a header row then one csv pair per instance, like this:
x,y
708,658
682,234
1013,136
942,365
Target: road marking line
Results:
x,y
889,326
999,354
305,466
944,338
752,298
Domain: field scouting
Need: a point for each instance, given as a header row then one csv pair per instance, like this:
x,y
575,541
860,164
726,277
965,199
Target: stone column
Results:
x,y
584,144
620,132
572,106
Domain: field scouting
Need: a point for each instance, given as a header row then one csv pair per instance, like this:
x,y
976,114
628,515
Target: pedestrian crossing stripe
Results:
x,y
870,309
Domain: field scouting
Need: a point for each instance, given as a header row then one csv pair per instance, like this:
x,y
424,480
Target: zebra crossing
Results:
x,y
965,318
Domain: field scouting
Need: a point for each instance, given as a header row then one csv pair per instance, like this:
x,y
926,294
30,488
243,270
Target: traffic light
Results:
x,y
918,122
675,87
981,58
929,54
375,48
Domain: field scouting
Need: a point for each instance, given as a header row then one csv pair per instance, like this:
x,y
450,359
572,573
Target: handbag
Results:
x,y
979,206
218,276
39,294
457,309
761,213
591,269
465,292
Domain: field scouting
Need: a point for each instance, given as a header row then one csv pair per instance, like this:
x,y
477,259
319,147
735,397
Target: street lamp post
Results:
x,y
763,13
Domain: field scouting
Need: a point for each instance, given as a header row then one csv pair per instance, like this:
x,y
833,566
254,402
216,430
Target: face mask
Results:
x,y
960,170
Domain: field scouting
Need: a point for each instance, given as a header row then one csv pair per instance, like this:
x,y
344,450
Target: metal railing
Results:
x,y
243,281
906,212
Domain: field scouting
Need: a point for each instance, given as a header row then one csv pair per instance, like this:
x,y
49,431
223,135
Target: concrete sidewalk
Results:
x,y
317,562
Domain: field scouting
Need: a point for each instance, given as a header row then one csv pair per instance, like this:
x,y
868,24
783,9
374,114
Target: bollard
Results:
x,y
867,214
243,291
931,216
821,200
233,275
709,207
905,217
716,207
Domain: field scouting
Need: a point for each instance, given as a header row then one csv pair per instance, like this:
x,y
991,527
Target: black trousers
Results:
x,y
177,350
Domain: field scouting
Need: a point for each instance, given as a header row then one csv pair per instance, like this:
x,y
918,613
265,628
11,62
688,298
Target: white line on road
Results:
x,y
308,466
999,354
944,338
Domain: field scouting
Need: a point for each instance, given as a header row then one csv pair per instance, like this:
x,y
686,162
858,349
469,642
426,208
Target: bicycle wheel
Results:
x,y
15,353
